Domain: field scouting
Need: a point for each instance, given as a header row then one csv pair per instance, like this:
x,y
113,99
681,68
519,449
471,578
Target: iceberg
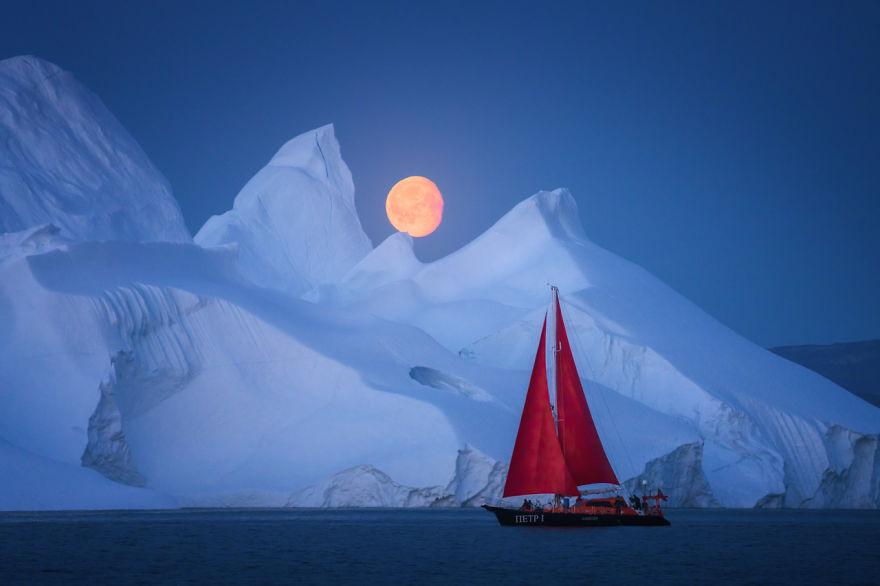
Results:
x,y
158,365
478,478
68,162
761,422
294,224
280,360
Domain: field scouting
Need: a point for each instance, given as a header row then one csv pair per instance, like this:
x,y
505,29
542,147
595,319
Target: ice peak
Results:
x,y
546,213
393,260
554,210
298,151
399,246
316,153
29,67
295,221
67,161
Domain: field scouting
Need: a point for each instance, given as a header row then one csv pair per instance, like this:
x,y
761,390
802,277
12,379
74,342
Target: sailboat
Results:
x,y
559,450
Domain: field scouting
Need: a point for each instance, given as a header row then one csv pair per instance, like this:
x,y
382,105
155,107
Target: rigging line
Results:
x,y
601,392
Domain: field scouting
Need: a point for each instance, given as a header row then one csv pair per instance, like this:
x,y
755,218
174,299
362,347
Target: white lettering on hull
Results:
x,y
528,519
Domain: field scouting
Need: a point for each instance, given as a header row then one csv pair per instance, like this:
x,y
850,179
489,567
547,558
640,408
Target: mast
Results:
x,y
553,377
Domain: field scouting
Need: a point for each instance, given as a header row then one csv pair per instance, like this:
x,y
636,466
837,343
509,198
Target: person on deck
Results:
x,y
635,502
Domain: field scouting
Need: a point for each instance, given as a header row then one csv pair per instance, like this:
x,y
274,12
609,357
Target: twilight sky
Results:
x,y
731,148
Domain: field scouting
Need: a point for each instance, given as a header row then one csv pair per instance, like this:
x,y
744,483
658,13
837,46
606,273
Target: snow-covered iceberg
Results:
x,y
286,363
762,423
66,161
294,224
477,479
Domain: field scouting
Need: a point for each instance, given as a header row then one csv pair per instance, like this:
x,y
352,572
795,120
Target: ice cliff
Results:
x,y
66,161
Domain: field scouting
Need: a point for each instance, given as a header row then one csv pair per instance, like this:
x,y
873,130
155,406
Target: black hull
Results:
x,y
518,517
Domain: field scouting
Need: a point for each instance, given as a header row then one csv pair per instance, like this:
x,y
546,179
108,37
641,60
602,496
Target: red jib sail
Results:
x,y
580,442
537,465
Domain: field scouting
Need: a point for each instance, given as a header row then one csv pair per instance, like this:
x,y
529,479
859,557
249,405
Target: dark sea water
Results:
x,y
434,546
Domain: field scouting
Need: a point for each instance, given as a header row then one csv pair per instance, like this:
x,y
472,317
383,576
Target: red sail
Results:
x,y
537,465
580,442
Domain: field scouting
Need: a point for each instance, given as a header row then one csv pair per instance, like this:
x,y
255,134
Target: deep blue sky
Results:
x,y
733,149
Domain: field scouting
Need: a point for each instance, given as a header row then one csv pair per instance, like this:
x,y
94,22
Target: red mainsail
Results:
x,y
537,465
580,442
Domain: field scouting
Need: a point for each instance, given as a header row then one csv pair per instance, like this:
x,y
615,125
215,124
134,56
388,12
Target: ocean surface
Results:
x,y
434,546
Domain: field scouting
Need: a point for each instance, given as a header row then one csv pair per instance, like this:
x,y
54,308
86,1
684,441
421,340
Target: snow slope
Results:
x,y
35,483
65,160
160,366
294,223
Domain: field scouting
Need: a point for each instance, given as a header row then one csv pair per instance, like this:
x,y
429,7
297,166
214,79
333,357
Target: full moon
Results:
x,y
415,206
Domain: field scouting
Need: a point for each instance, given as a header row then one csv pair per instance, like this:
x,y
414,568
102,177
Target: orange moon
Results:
x,y
415,206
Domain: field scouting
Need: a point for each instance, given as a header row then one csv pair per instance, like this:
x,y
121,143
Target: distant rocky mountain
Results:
x,y
853,365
